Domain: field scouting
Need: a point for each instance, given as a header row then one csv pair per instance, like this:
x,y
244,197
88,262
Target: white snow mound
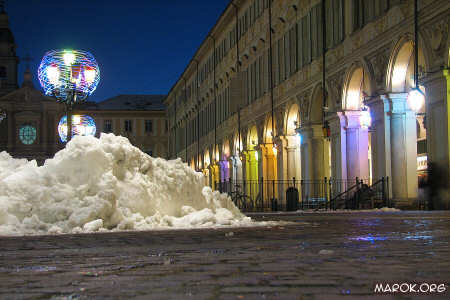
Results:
x,y
105,183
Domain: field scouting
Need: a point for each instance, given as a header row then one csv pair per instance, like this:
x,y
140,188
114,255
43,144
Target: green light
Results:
x,y
69,58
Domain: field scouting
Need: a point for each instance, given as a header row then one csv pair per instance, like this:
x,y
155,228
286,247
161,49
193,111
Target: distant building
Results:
x,y
141,118
30,129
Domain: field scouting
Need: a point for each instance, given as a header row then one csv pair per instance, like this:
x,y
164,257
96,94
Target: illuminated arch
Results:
x,y
357,84
268,129
226,150
206,159
252,138
237,144
401,66
292,119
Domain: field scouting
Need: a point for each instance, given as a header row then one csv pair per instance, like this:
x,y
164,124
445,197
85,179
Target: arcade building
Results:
x,y
276,92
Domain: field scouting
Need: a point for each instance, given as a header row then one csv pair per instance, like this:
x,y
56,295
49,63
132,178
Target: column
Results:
x,y
338,141
261,170
312,152
282,163
404,151
282,166
447,77
357,147
437,101
381,138
291,162
233,175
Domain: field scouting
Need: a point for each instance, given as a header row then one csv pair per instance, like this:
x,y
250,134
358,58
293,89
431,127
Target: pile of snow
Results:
x,y
107,184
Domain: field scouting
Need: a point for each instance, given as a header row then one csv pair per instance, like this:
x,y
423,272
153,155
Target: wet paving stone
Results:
x,y
312,256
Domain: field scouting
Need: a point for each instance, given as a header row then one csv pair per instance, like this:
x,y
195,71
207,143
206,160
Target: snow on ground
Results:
x,y
331,211
98,184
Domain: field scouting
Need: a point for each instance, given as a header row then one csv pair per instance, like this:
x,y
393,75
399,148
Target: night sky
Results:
x,y
142,46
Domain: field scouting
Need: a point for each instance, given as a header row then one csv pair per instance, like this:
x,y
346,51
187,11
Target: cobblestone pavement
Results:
x,y
317,256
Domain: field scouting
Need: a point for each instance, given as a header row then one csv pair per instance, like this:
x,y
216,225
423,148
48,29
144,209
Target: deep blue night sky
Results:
x,y
142,46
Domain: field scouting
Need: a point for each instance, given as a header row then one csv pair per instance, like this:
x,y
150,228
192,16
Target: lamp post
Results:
x,y
416,98
70,76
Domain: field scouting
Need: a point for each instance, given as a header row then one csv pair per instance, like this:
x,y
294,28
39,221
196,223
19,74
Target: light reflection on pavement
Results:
x,y
315,256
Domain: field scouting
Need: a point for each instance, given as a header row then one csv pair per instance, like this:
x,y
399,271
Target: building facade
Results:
x,y
30,129
277,92
140,118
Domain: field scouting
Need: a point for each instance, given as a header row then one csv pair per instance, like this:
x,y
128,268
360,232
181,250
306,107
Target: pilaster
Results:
x,y
403,150
338,141
380,111
312,152
357,147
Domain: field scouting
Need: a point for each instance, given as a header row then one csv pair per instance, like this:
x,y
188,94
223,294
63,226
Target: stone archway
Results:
x,y
269,150
314,145
405,142
349,138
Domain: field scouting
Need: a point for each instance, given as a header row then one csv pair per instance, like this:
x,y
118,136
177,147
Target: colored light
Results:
x,y
416,99
275,150
63,74
69,58
365,120
53,74
89,74
81,125
75,74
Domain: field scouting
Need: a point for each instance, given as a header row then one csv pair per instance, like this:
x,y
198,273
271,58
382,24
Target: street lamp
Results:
x,y
81,125
70,76
416,98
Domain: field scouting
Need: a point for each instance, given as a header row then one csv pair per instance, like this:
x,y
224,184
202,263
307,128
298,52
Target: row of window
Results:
x,y
365,11
297,47
248,18
205,120
128,126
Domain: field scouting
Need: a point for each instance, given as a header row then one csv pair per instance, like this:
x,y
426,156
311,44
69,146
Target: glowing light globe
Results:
x,y
416,99
81,125
69,75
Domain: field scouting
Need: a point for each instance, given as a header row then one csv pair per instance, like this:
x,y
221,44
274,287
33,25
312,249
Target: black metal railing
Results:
x,y
361,195
291,195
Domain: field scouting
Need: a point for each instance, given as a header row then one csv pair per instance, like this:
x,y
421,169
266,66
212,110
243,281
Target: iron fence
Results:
x,y
291,195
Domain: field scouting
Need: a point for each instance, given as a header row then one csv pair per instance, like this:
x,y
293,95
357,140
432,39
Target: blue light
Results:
x,y
299,136
66,72
81,125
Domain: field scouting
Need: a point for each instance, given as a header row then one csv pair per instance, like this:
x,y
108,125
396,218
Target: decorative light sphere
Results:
x,y
63,73
416,99
365,120
81,125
